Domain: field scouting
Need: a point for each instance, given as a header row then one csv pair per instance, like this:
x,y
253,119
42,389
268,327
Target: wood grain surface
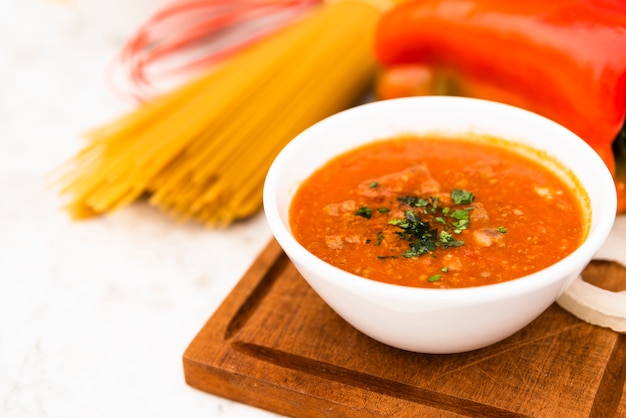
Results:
x,y
275,344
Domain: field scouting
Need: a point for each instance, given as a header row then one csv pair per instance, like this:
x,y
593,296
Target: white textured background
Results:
x,y
95,315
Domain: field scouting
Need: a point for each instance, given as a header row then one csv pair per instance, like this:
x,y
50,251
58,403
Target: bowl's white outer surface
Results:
x,y
436,320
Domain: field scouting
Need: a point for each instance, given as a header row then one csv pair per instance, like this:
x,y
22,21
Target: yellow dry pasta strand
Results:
x,y
192,115
78,210
81,208
145,154
282,61
261,118
305,101
72,171
244,170
92,172
173,182
145,114
241,180
380,5
114,195
237,176
131,154
112,142
219,184
102,187
226,153
251,61
213,167
282,89
248,199
86,179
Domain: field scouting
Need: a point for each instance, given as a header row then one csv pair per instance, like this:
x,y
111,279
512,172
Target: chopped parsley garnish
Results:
x,y
459,214
426,225
364,211
417,227
461,197
434,278
416,202
502,230
420,235
462,220
374,185
447,240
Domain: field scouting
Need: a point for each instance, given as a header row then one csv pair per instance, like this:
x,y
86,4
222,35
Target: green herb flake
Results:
x,y
447,240
460,225
459,214
383,210
420,235
379,238
417,225
417,202
374,185
444,269
432,206
434,278
462,197
502,230
364,212
445,236
402,223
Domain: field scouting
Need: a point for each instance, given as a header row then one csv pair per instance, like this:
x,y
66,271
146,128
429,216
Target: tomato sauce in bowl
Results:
x,y
440,212
524,204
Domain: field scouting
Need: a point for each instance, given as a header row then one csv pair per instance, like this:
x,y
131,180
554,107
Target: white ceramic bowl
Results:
x,y
436,320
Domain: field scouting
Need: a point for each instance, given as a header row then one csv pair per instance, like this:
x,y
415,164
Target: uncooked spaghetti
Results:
x,y
202,151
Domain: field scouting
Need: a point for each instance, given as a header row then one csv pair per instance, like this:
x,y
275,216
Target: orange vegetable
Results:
x,y
565,60
437,212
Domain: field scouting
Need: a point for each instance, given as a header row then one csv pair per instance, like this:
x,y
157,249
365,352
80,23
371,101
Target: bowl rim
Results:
x,y
558,271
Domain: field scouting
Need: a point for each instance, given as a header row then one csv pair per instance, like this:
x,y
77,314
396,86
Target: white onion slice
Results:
x,y
596,305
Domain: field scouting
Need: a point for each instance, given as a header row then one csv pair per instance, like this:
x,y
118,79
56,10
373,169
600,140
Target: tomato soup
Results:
x,y
440,212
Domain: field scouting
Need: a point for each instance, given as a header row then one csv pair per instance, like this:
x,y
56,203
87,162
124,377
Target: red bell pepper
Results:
x,y
565,60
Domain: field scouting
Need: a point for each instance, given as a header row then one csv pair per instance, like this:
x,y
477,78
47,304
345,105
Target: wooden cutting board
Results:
x,y
275,344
